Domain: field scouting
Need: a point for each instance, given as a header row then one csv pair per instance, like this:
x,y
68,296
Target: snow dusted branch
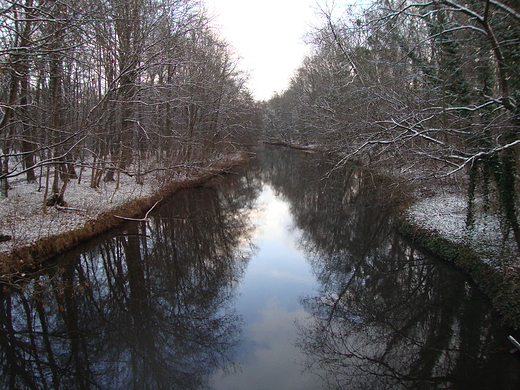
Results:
x,y
506,8
472,109
51,146
62,208
483,154
415,132
49,161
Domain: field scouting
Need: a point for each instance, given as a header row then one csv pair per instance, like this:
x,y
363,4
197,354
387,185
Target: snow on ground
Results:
x,y
445,214
22,213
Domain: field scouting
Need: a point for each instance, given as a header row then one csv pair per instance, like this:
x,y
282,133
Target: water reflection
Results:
x,y
168,305
276,276
386,315
147,309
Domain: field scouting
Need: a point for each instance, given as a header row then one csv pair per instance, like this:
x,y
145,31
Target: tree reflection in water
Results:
x,y
146,309
149,307
387,316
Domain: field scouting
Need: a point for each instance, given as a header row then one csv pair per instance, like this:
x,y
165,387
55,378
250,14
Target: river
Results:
x,y
288,276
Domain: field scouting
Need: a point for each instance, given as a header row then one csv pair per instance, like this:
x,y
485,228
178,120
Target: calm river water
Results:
x,y
282,277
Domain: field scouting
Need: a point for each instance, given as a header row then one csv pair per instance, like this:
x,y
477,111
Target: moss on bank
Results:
x,y
501,287
29,257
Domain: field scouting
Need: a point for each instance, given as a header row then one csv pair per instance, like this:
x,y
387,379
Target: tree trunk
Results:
x,y
4,128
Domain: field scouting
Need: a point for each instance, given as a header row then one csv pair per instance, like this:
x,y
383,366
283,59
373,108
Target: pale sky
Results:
x,y
267,35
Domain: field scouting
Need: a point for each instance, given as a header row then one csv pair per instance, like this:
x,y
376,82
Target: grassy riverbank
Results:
x,y
438,224
37,233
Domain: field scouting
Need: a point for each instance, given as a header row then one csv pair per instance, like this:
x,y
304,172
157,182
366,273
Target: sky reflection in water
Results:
x,y
269,301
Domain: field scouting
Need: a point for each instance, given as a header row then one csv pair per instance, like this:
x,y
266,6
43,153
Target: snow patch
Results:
x,y
446,215
23,218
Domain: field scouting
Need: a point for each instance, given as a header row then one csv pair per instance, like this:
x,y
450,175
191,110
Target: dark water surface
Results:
x,y
276,278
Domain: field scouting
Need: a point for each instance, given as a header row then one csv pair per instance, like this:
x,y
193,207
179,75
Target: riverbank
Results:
x,y
435,219
438,223
36,234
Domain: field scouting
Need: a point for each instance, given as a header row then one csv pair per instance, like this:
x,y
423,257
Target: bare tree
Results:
x,y
429,84
124,86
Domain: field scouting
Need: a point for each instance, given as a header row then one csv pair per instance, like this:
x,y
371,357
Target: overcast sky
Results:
x,y
267,34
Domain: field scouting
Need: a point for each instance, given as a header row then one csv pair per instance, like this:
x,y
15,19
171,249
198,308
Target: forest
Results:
x,y
114,87
425,90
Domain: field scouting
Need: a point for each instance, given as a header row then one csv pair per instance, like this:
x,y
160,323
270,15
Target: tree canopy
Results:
x,y
417,87
118,86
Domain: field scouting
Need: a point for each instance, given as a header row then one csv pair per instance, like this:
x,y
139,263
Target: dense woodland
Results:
x,y
418,87
114,87
147,86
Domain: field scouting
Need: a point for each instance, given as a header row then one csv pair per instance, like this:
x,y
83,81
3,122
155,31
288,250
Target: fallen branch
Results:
x,y
62,208
145,219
